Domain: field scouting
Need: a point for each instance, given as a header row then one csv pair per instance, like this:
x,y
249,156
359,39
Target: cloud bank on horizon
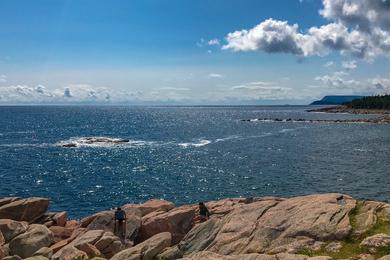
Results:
x,y
358,31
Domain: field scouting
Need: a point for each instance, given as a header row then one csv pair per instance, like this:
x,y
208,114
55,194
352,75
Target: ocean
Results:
x,y
185,155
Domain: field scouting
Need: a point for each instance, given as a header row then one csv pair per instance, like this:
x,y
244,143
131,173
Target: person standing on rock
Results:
x,y
120,218
204,214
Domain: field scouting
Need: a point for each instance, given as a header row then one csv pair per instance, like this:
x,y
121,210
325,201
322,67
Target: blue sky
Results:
x,y
186,52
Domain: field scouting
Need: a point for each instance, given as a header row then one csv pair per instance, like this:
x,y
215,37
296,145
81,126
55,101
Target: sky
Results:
x,y
182,52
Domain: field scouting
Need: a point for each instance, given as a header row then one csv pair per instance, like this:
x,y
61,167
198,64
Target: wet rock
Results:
x,y
26,244
376,241
147,249
177,221
24,209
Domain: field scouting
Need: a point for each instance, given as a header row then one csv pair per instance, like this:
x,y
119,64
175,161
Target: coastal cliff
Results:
x,y
320,226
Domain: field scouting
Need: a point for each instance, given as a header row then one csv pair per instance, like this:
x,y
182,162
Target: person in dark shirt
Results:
x,y
120,218
204,214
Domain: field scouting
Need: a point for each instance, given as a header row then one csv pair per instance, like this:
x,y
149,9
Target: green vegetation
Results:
x,y
374,102
351,245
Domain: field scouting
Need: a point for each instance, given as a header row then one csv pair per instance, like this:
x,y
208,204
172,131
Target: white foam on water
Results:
x,y
227,138
200,143
21,145
285,130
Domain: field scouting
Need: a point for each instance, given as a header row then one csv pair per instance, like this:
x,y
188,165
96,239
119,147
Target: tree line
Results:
x,y
373,102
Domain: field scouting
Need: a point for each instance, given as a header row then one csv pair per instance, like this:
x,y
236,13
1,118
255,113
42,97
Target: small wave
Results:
x,y
227,138
201,143
285,130
100,142
18,145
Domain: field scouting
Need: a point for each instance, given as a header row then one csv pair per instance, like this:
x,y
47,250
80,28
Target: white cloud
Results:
x,y
329,64
359,28
261,90
215,75
39,94
340,84
3,78
349,65
213,42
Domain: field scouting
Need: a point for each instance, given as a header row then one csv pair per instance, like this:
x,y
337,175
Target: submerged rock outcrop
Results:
x,y
320,226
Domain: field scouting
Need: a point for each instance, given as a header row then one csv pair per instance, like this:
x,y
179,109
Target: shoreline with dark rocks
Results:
x,y
315,227
381,116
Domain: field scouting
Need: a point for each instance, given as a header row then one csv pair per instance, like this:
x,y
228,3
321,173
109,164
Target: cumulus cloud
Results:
x,y
359,28
363,14
349,65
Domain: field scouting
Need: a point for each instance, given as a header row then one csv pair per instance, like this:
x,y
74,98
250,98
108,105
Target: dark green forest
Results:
x,y
374,102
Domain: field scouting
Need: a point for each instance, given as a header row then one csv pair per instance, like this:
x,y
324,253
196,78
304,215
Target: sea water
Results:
x,y
185,155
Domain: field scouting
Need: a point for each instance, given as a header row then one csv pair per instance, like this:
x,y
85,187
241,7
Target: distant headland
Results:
x,y
335,100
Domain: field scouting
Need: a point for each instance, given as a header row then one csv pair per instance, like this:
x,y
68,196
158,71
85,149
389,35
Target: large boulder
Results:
x,y
61,233
60,218
177,222
70,253
11,228
148,249
7,200
26,244
150,206
109,244
105,221
90,250
106,243
270,224
24,209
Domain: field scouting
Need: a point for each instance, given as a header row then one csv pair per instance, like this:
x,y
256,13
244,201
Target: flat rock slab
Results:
x,y
262,226
24,209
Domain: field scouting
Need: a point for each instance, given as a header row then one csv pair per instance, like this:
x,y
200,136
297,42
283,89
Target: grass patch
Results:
x,y
351,245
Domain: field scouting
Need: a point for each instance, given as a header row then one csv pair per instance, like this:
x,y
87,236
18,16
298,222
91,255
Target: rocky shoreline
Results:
x,y
382,116
316,227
